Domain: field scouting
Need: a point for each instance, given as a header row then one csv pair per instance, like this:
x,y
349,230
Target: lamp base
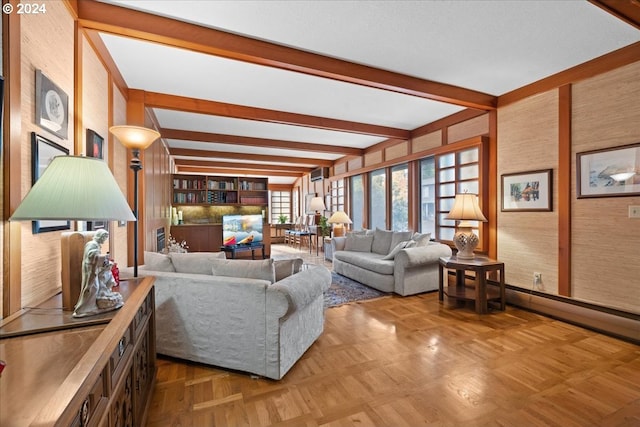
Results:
x,y
338,230
466,242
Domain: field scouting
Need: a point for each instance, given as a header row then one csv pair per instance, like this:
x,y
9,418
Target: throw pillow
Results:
x,y
358,243
246,268
155,261
286,267
195,262
381,241
399,236
421,239
400,246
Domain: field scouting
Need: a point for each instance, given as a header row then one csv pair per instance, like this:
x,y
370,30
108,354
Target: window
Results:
x,y
456,172
400,197
280,204
357,202
378,199
337,196
428,196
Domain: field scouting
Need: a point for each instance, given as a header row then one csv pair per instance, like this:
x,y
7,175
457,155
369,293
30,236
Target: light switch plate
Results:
x,y
634,211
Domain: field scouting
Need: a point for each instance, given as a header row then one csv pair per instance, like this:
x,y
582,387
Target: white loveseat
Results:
x,y
253,316
402,261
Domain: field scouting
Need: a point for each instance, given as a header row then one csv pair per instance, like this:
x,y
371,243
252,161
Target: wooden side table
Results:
x,y
479,293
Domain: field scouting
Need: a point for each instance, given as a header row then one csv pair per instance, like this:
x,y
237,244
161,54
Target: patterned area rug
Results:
x,y
344,290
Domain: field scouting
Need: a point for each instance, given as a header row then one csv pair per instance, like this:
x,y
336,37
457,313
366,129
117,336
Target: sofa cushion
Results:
x,y
358,243
381,241
156,261
195,262
367,260
399,236
400,246
286,267
421,239
247,268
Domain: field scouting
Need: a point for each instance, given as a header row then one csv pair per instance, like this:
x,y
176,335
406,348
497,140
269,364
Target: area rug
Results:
x,y
344,290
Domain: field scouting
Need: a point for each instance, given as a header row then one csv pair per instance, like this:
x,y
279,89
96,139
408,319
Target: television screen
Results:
x,y
241,229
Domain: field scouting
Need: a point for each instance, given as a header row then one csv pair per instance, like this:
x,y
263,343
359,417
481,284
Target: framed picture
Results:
x,y
42,152
95,145
609,172
527,191
52,106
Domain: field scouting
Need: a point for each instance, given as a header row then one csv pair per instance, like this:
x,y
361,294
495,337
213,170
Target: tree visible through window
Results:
x,y
357,202
378,199
400,197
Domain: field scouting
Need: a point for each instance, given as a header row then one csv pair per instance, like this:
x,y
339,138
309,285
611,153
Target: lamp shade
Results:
x,y
75,188
339,217
466,208
134,137
316,204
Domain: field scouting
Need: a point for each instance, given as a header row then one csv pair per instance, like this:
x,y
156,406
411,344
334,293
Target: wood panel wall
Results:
x,y
46,44
120,169
527,141
605,242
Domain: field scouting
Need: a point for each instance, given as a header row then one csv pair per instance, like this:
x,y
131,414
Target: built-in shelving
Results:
x,y
219,190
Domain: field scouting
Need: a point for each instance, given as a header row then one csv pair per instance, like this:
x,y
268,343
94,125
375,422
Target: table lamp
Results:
x,y
135,138
74,188
466,209
317,204
339,218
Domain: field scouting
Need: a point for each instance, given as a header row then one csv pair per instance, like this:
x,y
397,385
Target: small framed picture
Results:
x,y
42,153
527,191
95,145
52,106
608,172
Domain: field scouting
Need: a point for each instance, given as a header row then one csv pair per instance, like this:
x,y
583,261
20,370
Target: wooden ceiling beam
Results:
x,y
235,172
185,135
186,152
145,26
628,11
242,166
215,108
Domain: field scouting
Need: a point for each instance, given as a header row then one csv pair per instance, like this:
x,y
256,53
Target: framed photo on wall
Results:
x,y
52,106
42,153
608,172
527,191
95,145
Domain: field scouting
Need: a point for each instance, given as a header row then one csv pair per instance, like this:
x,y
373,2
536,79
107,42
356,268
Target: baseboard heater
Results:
x,y
616,323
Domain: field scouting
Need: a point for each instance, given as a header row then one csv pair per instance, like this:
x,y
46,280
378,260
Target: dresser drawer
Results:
x,y
142,315
120,355
94,405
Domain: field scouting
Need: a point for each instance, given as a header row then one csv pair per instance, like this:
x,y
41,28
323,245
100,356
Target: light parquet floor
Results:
x,y
411,361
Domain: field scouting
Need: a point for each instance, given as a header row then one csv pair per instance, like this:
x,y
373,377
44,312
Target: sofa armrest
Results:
x,y
337,243
412,257
298,290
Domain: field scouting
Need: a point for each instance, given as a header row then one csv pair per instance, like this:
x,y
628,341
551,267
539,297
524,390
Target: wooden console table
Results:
x,y
478,293
79,373
243,248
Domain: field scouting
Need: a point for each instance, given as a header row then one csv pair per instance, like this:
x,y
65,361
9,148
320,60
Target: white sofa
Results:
x,y
402,262
253,316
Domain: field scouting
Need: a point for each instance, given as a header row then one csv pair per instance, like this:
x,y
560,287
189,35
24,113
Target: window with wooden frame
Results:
x,y
337,196
456,172
280,204
356,187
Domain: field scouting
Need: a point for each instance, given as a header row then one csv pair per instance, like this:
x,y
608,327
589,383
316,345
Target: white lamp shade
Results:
x,y
339,217
134,137
75,188
466,208
316,204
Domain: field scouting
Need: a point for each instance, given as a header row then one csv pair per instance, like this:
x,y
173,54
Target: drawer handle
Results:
x,y
121,347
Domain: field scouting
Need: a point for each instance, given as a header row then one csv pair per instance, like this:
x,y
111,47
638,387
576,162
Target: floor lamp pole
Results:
x,y
136,166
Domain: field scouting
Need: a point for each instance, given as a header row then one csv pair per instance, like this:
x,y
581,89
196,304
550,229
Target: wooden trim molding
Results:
x,y
564,191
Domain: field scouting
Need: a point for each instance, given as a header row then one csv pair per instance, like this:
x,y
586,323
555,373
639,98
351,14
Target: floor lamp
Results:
x,y
135,138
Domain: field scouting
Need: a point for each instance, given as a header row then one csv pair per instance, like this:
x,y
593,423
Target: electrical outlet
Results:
x,y
537,279
634,211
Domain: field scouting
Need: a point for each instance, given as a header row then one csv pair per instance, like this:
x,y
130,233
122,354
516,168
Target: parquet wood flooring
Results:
x,y
410,361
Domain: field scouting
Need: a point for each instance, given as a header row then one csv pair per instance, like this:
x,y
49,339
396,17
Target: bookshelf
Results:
x,y
219,190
